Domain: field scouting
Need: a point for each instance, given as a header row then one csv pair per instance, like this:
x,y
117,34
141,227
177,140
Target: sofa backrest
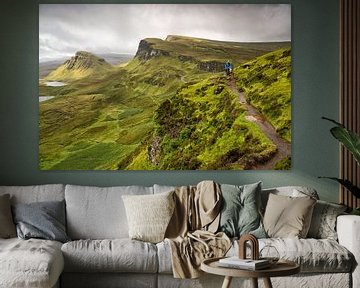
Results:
x,y
36,193
163,188
98,212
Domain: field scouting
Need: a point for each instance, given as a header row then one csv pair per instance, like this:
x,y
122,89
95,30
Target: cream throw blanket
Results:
x,y
191,231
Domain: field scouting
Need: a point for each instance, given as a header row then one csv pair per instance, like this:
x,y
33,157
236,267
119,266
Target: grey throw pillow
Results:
x,y
323,222
44,220
7,226
240,213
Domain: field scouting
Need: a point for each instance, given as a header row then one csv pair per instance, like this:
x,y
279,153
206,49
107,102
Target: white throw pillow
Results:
x,y
149,215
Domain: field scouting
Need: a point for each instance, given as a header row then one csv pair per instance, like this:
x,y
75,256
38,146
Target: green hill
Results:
x,y
133,117
83,64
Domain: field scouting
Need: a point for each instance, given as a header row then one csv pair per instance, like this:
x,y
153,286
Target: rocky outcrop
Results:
x,y
154,151
146,51
85,60
185,58
173,38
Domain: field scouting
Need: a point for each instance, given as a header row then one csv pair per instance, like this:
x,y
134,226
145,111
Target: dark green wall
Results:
x,y
315,94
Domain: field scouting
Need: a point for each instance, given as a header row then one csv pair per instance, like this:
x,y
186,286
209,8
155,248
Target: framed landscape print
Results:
x,y
164,86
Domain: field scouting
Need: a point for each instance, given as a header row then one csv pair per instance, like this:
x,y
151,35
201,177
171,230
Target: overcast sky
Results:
x,y
118,28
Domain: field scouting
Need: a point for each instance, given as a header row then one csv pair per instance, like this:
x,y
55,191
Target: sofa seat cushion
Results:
x,y
30,263
164,257
115,255
108,280
313,255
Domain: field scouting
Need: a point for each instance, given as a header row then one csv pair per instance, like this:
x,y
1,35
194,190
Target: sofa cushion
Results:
x,y
98,213
30,263
116,255
109,280
287,216
36,193
149,215
7,226
323,222
164,257
43,220
163,188
240,210
313,255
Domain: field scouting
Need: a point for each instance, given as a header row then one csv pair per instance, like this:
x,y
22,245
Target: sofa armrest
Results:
x,y
348,230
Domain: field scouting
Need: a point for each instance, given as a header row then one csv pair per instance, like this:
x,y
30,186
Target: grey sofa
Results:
x,y
101,254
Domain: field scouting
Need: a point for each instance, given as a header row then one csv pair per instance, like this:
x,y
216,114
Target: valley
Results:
x,y
169,108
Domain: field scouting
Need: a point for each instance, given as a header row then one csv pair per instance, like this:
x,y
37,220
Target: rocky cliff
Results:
x,y
147,50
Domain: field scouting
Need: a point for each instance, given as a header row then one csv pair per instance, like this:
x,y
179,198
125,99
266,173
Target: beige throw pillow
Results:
x,y
288,217
7,226
149,215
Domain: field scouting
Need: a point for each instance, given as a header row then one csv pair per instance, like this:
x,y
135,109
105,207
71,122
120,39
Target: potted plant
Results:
x,y
351,141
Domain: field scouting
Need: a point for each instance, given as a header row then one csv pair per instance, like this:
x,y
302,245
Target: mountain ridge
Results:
x,y
209,55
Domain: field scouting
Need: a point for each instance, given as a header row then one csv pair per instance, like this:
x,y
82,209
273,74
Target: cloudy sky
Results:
x,y
118,28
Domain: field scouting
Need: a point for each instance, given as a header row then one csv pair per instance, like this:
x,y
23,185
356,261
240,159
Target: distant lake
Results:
x,y
55,83
44,98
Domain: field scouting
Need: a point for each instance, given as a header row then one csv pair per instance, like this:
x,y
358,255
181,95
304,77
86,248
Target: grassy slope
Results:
x,y
95,124
204,127
64,74
266,82
105,121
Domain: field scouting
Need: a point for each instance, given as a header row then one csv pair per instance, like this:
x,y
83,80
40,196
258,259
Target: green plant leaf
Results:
x,y
333,121
355,211
348,138
347,184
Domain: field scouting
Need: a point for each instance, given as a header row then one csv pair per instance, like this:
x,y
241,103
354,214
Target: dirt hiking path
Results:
x,y
283,147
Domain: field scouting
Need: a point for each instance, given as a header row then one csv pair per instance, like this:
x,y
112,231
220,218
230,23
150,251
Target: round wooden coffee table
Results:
x,y
281,268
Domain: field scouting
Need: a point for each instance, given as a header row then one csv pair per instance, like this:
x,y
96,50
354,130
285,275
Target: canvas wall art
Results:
x,y
164,87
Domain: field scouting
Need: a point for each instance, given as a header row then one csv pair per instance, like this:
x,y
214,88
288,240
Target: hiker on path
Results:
x,y
228,68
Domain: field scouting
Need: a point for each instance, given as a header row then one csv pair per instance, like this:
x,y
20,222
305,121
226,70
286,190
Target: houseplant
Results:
x,y
351,141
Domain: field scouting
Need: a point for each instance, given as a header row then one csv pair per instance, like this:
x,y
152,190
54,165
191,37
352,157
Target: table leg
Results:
x,y
267,283
254,282
227,282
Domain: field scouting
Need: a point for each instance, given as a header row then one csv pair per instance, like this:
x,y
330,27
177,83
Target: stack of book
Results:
x,y
248,264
